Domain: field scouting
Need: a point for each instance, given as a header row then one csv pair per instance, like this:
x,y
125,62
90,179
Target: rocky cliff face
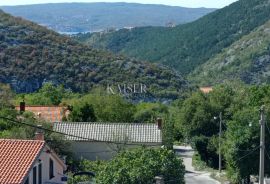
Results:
x,y
247,59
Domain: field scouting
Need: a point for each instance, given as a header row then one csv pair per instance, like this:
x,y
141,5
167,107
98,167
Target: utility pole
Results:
x,y
220,134
262,146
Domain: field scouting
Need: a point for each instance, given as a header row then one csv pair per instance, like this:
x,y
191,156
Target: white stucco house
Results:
x,y
103,140
29,162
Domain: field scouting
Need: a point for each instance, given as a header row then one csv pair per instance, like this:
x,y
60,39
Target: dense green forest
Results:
x,y
239,105
187,46
31,55
247,59
103,107
89,17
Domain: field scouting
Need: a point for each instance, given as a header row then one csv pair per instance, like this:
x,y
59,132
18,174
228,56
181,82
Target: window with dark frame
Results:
x,y
35,175
40,173
51,169
27,181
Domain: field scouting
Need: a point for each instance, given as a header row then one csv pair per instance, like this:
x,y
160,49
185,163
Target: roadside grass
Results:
x,y
221,177
200,165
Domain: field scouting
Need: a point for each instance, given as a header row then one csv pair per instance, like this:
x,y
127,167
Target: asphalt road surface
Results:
x,y
195,178
192,176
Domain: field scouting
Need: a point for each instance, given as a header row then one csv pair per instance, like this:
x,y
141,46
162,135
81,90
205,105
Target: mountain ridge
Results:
x,y
187,46
84,17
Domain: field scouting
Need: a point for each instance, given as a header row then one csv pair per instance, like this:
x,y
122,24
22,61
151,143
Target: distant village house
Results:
x,y
206,90
47,113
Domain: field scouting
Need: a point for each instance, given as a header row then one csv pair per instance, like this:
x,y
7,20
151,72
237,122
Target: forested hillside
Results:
x,y
247,59
89,17
187,46
31,55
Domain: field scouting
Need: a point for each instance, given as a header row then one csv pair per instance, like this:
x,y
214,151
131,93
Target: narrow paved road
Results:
x,y
195,178
192,176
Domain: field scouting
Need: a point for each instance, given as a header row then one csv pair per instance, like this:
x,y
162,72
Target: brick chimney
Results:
x,y
39,135
159,123
22,106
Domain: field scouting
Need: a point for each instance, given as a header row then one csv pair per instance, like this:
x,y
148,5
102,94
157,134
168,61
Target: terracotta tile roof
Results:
x,y
48,113
16,159
111,132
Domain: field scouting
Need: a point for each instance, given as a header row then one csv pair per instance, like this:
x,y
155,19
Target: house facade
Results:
x,y
103,140
29,162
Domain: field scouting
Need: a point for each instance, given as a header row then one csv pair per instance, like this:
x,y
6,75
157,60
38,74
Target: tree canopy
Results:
x,y
138,166
239,105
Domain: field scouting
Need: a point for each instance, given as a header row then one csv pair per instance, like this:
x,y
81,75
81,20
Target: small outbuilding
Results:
x,y
103,140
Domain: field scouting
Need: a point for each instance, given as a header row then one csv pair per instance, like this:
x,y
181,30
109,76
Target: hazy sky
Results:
x,y
184,3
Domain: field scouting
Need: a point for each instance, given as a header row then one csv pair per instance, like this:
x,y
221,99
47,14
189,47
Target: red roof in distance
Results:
x,y
206,89
48,113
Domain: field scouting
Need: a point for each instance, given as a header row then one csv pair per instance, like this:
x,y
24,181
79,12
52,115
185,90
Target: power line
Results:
x,y
75,136
104,151
168,181
267,128
248,153
267,154
92,152
46,129
49,130
223,123
245,150
269,134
